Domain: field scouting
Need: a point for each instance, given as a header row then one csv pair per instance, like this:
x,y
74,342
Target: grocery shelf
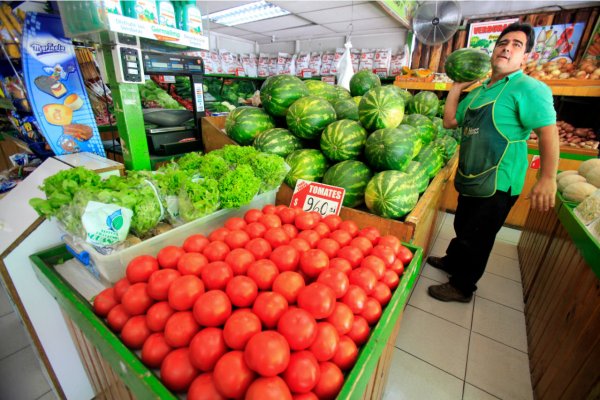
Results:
x,y
567,152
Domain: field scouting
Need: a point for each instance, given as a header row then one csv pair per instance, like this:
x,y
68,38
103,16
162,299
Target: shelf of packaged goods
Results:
x,y
262,78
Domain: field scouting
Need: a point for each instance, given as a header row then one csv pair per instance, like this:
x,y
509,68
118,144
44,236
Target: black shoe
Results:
x,y
438,262
447,292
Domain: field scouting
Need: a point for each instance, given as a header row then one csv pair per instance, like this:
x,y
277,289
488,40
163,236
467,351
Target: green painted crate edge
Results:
x,y
144,384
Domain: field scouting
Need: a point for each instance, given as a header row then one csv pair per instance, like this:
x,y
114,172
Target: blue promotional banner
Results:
x,y
56,89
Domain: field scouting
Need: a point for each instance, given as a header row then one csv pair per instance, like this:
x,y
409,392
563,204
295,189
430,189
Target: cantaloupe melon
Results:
x,y
578,191
567,180
588,165
565,173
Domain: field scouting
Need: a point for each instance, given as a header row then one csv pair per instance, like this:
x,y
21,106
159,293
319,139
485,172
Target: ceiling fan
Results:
x,y
434,22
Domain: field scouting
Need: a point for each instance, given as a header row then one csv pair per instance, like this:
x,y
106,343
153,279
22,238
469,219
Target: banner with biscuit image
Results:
x,y
56,89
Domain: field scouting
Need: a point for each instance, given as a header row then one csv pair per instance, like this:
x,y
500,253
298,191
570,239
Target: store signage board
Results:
x,y
554,42
402,10
314,196
483,35
592,52
130,26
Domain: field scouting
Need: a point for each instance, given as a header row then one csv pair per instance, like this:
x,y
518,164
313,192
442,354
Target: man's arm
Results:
x,y
451,105
544,191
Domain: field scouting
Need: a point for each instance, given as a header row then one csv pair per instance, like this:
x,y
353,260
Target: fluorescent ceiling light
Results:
x,y
247,13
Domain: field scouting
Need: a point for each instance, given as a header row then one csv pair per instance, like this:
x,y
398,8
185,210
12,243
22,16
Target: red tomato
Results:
x,y
140,268
168,256
117,317
397,267
312,237
184,291
252,215
239,260
300,244
322,229
267,353
216,251
121,287
180,329
160,282
336,280
239,328
158,315
269,307
273,388
135,332
270,221
363,244
349,226
154,350
390,241
259,248
304,220
364,278
332,221
353,254
370,233
326,343
218,234
191,264
331,381
329,246
234,223
313,262
288,284
340,263
341,236
303,372
232,376
405,255
269,209
203,388
381,293
341,318
360,330
237,239
212,308
346,354
306,396
298,327
195,243
385,253
391,279
375,264
206,348
372,311
286,258
276,237
263,272
256,230
355,298
177,371
136,300
290,230
287,215
105,301
216,275
318,299
241,291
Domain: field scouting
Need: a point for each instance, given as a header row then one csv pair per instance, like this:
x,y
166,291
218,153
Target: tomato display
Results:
x,y
240,327
288,284
212,308
216,251
330,382
195,243
298,327
236,239
184,291
273,388
160,282
140,268
216,275
346,354
269,307
135,332
267,353
232,376
242,291
263,272
158,315
203,388
155,349
234,223
180,329
326,342
168,256
177,371
303,372
285,257
239,260
105,301
117,317
136,300
336,279
206,348
318,299
313,262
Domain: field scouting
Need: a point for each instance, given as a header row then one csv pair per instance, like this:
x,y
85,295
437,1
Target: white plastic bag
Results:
x,y
345,72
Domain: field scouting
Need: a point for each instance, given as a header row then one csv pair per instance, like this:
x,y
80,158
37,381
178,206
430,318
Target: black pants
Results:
x,y
476,223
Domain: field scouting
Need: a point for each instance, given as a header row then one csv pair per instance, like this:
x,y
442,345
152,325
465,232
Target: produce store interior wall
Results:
x,y
233,44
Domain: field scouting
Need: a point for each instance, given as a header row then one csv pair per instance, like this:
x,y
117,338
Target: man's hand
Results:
x,y
543,194
460,86
449,120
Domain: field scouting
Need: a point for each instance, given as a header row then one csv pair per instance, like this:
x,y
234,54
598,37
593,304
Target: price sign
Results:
x,y
535,162
314,196
439,86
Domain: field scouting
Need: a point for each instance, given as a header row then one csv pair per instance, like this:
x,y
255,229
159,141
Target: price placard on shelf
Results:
x,y
314,196
130,26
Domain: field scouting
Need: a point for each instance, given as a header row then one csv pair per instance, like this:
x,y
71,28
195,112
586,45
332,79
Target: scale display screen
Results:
x,y
194,67
167,63
160,65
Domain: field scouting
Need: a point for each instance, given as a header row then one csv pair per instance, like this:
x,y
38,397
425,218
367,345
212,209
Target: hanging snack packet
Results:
x,y
367,57
263,65
381,64
302,63
273,65
327,62
315,63
216,62
283,63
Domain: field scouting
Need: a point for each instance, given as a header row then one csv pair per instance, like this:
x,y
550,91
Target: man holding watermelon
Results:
x,y
496,120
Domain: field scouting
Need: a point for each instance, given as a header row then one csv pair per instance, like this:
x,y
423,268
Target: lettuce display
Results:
x,y
155,97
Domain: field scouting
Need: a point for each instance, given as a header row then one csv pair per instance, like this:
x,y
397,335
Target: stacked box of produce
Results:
x,y
583,138
576,186
275,303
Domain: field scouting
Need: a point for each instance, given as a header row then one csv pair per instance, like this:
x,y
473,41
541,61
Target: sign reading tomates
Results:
x,y
314,196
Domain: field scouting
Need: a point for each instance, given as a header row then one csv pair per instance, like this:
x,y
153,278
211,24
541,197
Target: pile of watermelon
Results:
x,y
380,143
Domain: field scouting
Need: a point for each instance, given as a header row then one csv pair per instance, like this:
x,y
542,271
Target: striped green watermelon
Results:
x,y
322,90
468,64
308,116
308,164
418,175
391,194
379,109
342,93
343,140
278,93
244,123
405,94
449,146
423,125
277,141
425,103
440,112
357,99
438,127
431,158
363,81
391,148
351,175
346,109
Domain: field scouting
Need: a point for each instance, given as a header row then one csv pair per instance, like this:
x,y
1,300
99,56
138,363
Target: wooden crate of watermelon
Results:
x,y
170,325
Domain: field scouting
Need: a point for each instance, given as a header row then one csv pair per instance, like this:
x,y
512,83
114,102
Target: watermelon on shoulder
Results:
x,y
277,141
425,103
351,175
346,109
423,125
244,123
308,164
363,81
468,64
279,92
343,140
380,109
418,175
308,116
391,194
391,148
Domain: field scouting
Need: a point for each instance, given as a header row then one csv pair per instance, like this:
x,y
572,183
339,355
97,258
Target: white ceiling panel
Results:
x,y
300,32
312,5
257,37
364,24
274,24
348,13
233,31
207,7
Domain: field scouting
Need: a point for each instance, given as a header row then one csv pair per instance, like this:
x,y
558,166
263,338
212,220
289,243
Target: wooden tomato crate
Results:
x,y
116,372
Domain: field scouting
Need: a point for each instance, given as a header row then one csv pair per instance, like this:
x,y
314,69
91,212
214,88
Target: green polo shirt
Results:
x,y
524,105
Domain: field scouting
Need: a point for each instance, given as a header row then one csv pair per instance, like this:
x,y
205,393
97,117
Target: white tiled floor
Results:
x,y
474,351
